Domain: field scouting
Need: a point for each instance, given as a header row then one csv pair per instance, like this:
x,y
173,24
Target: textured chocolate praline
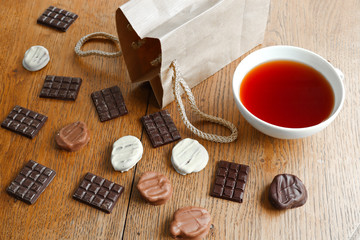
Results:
x,y
287,191
190,223
154,188
73,136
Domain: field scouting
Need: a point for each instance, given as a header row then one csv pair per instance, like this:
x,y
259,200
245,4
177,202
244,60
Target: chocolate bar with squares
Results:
x,y
230,181
31,182
24,121
160,128
58,87
57,18
109,103
98,192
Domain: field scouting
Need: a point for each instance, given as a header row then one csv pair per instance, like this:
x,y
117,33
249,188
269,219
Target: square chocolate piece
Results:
x,y
160,128
24,122
57,18
63,88
98,192
230,181
31,182
109,103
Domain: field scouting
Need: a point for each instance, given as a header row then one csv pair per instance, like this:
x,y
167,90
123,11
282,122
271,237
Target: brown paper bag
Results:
x,y
202,35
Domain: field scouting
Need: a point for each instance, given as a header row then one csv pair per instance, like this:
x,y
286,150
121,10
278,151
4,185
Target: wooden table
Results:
x,y
328,162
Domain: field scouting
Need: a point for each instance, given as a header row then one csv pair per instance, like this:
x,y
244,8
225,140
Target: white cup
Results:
x,y
333,75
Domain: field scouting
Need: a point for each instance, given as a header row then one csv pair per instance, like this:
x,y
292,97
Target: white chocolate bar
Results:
x,y
36,58
127,151
189,156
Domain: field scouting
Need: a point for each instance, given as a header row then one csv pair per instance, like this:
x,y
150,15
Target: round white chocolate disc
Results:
x,y
36,58
189,156
127,151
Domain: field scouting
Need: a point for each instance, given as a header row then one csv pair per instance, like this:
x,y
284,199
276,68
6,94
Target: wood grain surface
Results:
x,y
328,162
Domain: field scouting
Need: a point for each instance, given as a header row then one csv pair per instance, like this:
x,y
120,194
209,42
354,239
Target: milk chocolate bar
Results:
x,y
230,181
287,191
109,103
57,18
98,192
31,182
160,128
24,122
63,88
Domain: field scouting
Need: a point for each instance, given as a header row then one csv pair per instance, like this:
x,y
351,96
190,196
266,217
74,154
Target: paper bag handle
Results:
x,y
84,39
177,82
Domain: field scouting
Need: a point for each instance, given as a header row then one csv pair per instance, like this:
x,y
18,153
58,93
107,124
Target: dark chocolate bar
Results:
x,y
57,18
230,181
109,103
57,87
98,192
31,182
24,121
160,128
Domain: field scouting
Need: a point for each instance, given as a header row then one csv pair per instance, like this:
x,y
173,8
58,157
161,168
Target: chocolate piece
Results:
x,y
154,188
73,136
127,151
287,191
230,181
189,156
57,18
24,121
190,223
98,192
160,128
109,103
64,88
31,182
36,58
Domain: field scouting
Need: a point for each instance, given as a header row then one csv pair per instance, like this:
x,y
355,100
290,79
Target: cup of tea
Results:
x,y
288,92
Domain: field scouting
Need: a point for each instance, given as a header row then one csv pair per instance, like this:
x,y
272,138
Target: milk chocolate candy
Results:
x,y
189,156
73,136
190,223
287,191
36,58
154,188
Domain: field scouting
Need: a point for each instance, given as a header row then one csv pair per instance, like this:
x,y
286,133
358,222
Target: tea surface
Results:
x,y
287,93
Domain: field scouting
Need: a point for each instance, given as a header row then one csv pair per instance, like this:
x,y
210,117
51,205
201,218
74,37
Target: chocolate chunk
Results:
x,y
154,188
98,192
73,136
287,191
24,122
160,128
31,182
190,223
57,18
230,181
57,87
109,103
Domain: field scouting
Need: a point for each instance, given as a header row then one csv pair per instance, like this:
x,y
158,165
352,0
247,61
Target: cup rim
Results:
x,y
280,128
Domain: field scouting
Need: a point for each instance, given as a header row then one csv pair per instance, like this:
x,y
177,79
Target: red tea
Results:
x,y
288,94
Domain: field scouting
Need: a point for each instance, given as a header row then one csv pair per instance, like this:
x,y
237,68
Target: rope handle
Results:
x,y
177,82
84,39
